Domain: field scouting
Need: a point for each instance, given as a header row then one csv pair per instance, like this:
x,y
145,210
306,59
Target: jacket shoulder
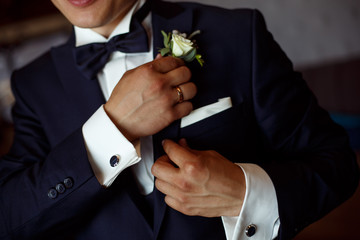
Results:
x,y
40,70
37,76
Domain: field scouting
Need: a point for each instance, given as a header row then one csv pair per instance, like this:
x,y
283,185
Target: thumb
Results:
x,y
182,142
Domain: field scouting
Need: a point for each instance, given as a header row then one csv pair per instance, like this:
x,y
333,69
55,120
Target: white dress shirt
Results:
x,y
103,140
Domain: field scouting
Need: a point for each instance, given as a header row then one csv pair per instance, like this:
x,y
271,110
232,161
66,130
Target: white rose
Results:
x,y
181,45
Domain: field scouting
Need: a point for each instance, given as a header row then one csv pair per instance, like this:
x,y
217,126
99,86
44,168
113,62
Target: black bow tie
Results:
x,y
91,58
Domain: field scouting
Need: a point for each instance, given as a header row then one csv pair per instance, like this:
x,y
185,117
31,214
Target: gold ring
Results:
x,y
180,94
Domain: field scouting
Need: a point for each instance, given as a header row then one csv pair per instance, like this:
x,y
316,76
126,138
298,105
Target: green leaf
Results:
x,y
200,60
166,38
165,51
190,55
171,46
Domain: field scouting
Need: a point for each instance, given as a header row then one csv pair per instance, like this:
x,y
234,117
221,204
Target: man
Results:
x,y
266,162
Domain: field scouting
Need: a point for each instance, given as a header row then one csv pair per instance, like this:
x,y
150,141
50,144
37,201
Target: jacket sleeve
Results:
x,y
307,155
42,186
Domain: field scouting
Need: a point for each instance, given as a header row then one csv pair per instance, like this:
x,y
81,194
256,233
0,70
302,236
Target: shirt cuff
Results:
x,y
259,211
103,141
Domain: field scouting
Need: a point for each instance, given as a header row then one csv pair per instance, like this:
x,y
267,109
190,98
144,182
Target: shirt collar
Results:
x,y
85,36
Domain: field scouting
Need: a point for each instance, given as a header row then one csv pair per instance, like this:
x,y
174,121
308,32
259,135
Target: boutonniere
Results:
x,y
177,44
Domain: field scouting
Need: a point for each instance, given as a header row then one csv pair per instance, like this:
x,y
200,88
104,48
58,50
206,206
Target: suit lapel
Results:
x,y
166,17
85,94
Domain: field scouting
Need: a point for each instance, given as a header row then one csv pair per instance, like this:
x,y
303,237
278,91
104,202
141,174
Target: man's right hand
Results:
x,y
146,100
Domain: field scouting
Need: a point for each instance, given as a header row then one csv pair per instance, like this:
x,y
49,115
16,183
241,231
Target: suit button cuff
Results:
x,y
68,182
52,193
60,188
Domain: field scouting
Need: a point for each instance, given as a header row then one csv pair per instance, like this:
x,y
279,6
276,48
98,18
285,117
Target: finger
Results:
x,y
175,204
188,91
178,154
166,187
182,109
196,207
182,142
163,159
179,76
181,207
164,169
158,56
166,64
180,190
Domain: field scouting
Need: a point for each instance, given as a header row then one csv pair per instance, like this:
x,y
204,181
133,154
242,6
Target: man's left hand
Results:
x,y
199,183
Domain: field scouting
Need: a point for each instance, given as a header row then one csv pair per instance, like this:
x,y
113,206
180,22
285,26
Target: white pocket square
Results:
x,y
206,111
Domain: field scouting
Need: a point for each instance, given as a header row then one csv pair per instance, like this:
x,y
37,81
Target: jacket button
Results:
x,y
250,230
60,188
52,193
114,160
68,182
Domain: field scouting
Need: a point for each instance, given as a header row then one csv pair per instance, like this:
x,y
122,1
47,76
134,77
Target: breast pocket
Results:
x,y
227,132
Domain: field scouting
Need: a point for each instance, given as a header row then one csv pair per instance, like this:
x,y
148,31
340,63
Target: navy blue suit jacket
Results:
x,y
275,122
